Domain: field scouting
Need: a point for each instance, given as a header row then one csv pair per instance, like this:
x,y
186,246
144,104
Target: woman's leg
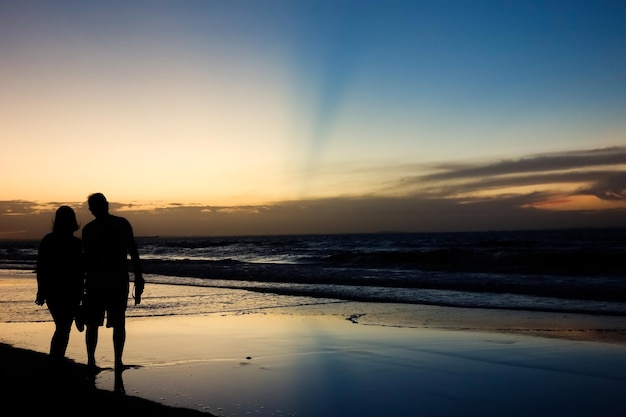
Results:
x,y
60,338
63,318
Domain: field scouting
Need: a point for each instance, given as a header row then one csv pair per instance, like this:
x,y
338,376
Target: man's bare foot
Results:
x,y
93,368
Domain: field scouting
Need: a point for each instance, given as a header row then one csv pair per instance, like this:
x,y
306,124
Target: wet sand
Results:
x,y
270,364
357,359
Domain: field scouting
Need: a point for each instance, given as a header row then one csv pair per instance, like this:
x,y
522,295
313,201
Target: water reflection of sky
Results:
x,y
270,365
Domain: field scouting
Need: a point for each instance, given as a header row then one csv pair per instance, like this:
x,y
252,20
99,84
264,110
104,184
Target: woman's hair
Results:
x,y
65,220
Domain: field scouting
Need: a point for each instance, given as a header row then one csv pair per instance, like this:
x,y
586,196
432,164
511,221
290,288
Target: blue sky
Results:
x,y
236,117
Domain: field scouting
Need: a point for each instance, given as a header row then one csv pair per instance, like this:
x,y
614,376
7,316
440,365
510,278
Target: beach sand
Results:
x,y
350,359
33,384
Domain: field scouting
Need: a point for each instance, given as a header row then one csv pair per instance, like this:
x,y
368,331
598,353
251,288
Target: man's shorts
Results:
x,y
109,301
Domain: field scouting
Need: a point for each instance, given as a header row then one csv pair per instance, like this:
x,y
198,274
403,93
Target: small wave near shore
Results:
x,y
550,270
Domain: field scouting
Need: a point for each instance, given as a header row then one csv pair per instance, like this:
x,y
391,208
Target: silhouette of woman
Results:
x,y
60,277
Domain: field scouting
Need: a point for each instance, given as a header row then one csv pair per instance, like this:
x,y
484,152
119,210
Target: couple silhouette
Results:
x,y
87,280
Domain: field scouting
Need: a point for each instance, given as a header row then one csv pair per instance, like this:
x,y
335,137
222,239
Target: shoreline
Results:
x,y
268,355
17,295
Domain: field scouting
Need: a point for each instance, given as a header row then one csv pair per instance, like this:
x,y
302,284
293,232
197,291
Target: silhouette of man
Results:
x,y
107,242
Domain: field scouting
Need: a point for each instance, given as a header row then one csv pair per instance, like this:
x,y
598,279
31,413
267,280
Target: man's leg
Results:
x,y
91,340
119,338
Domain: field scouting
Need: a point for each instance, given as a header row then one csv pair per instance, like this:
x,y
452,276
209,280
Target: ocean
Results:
x,y
574,270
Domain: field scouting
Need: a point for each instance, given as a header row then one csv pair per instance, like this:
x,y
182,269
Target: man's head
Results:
x,y
98,204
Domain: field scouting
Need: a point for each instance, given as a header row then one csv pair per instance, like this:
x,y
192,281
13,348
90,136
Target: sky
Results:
x,y
236,117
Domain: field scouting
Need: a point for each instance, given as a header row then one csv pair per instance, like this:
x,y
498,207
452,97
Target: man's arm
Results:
x,y
134,259
136,264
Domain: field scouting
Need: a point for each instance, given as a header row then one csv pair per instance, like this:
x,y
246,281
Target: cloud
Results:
x,y
21,208
538,163
596,172
573,189
611,187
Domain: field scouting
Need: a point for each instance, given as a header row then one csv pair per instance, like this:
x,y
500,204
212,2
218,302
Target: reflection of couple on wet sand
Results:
x,y
89,280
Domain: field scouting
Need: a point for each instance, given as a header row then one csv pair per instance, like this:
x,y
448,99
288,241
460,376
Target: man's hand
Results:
x,y
40,299
138,288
